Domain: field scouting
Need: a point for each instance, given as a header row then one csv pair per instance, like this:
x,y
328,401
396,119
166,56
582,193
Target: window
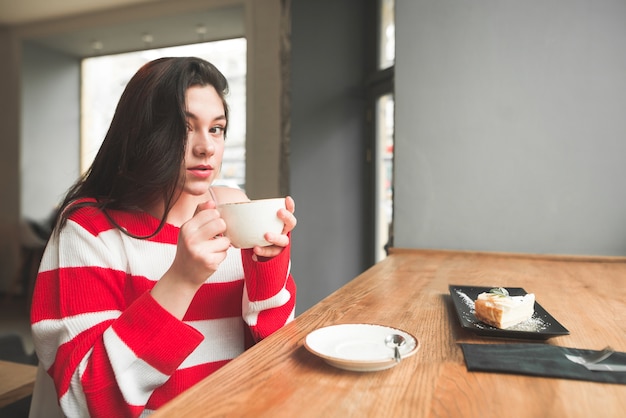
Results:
x,y
104,79
386,34
384,173
381,93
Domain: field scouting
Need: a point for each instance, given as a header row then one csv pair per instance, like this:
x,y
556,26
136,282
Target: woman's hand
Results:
x,y
201,244
200,250
279,241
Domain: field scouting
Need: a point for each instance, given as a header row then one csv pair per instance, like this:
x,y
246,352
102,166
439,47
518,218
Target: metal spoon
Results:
x,y
395,341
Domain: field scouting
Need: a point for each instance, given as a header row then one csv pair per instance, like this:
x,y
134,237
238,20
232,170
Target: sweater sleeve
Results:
x,y
105,354
270,293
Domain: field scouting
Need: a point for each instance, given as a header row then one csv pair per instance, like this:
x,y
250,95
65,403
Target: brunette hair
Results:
x,y
139,161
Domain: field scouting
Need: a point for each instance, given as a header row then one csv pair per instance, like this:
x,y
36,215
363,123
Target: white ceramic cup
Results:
x,y
248,222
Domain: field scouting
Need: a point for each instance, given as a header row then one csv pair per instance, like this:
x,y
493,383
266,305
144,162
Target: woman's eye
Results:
x,y
217,130
189,128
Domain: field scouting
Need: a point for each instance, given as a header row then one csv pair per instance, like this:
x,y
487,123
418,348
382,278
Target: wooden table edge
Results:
x,y
25,389
532,256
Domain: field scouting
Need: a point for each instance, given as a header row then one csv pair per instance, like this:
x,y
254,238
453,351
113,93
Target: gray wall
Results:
x,y
327,145
50,129
510,127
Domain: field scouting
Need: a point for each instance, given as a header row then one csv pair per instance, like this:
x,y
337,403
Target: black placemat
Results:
x,y
537,360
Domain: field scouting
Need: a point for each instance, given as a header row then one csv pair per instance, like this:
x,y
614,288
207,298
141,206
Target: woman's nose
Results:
x,y
203,145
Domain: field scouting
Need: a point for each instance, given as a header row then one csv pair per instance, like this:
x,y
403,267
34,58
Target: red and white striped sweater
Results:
x,y
110,348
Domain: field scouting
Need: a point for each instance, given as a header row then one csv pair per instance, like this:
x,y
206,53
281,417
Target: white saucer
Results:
x,y
358,347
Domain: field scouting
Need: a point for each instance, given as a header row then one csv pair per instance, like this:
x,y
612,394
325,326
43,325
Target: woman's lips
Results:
x,y
201,171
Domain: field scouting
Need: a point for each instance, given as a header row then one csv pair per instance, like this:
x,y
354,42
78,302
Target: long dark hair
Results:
x,y
139,161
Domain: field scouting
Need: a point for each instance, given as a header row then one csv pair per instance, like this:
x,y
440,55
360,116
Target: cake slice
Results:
x,y
500,310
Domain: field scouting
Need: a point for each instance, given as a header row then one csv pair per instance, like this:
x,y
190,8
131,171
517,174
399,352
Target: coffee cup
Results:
x,y
248,222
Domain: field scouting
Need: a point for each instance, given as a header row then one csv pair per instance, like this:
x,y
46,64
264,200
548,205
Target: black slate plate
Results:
x,y
541,326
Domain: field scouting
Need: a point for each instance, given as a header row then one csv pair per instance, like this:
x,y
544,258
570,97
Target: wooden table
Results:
x,y
409,290
16,381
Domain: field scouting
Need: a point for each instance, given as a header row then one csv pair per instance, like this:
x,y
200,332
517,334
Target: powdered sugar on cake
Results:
x,y
532,324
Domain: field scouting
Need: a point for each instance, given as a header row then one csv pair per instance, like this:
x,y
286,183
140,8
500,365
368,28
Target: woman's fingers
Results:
x,y
290,204
287,215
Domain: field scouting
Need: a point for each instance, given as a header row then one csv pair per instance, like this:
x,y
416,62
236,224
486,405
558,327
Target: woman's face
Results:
x,y
206,122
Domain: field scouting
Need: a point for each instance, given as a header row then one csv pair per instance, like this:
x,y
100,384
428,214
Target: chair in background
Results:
x,y
33,238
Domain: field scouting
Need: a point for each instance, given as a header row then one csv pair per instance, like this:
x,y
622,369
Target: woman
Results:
x,y
139,295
